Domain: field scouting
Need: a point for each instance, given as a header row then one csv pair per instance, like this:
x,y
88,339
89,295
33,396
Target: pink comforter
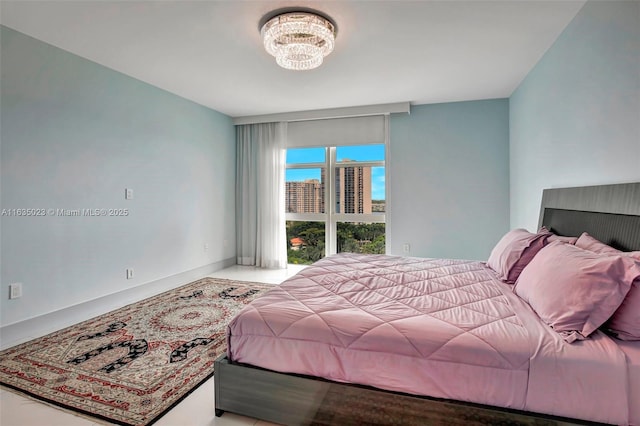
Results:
x,y
443,328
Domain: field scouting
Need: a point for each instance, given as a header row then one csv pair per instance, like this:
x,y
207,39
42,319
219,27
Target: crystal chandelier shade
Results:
x,y
298,40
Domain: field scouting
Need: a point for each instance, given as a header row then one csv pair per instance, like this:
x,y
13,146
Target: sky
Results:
x,y
357,153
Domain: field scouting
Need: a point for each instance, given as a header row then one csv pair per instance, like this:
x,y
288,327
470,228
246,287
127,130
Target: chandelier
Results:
x,y
299,40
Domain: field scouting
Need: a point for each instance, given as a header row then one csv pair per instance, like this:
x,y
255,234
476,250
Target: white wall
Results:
x,y
74,135
449,179
575,119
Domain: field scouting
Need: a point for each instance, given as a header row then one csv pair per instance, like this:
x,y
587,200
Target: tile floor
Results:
x,y
195,410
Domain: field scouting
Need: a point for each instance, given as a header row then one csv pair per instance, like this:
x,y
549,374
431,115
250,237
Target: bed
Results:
x,y
344,341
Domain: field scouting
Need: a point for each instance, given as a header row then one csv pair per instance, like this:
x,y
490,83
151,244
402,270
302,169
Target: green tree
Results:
x,y
376,246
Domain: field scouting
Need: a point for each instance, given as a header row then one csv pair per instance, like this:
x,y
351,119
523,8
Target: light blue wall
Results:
x,y
575,119
449,179
74,135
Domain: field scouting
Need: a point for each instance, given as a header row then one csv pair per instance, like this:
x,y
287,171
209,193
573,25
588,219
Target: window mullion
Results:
x,y
361,164
363,218
305,166
331,205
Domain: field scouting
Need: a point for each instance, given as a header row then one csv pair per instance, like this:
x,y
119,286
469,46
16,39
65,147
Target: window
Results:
x,y
335,201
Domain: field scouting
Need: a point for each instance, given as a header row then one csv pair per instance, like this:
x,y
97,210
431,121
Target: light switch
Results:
x,y
15,290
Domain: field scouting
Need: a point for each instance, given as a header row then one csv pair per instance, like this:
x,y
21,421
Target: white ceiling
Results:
x,y
386,51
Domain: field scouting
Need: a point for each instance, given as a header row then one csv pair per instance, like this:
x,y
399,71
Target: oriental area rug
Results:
x,y
130,366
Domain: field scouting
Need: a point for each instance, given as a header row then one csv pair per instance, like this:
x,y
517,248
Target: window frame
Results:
x,y
330,217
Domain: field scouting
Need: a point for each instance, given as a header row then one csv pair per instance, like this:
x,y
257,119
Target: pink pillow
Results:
x,y
625,322
587,242
574,290
553,237
514,251
568,240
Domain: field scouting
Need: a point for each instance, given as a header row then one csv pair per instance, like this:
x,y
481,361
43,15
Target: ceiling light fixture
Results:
x,y
299,40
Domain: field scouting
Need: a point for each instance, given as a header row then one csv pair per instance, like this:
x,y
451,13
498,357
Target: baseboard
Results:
x,y
31,328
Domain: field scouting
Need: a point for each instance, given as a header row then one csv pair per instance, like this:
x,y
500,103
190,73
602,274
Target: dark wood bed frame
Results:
x,y
610,213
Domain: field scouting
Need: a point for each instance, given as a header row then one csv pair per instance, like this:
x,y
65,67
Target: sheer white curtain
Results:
x,y
260,229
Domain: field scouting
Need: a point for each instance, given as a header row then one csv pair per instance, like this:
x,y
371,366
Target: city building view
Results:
x,y
353,195
305,197
353,189
353,192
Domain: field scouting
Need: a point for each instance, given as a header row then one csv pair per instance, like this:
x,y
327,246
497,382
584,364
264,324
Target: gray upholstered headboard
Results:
x,y
610,213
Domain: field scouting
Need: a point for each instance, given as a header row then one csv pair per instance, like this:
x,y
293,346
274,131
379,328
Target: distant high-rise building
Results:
x,y
305,197
353,189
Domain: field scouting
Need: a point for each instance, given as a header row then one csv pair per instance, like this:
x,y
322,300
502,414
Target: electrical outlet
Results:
x,y
128,194
129,273
206,246
15,290
406,247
